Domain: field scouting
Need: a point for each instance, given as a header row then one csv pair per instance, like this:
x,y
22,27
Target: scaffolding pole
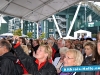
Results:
x,y
57,26
22,26
73,21
0,19
37,30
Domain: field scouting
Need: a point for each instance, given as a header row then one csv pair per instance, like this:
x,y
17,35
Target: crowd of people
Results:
x,y
46,57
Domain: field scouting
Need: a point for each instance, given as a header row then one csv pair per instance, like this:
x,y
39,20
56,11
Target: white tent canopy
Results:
x,y
23,35
69,37
7,34
34,10
79,33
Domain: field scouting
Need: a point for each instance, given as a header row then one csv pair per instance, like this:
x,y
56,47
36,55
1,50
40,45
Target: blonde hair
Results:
x,y
77,55
63,50
91,44
25,49
48,50
71,43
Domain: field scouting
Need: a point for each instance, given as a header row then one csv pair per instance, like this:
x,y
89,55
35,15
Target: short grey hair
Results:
x,y
62,41
63,50
51,42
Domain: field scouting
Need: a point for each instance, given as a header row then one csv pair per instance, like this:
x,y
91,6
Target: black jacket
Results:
x,y
31,66
88,61
7,65
35,48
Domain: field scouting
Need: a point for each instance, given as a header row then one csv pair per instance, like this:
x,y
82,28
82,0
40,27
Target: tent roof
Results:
x,y
81,31
34,10
69,37
7,34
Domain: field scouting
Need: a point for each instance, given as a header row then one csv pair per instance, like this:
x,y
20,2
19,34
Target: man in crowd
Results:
x,y
7,59
60,43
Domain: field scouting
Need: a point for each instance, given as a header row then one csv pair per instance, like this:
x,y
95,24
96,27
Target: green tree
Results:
x,y
94,35
42,35
29,34
17,32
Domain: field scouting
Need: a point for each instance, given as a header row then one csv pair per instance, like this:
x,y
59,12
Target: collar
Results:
x,y
74,73
88,55
41,65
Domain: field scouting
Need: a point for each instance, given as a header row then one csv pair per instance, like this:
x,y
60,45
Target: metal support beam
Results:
x,y
5,4
22,26
73,21
85,17
44,26
37,30
0,19
57,26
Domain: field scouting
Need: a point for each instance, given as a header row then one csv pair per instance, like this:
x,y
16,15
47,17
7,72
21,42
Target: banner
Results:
x,y
81,68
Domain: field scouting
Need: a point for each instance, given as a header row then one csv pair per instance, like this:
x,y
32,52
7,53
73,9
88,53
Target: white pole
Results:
x,y
75,16
44,27
85,16
0,19
22,26
57,26
37,30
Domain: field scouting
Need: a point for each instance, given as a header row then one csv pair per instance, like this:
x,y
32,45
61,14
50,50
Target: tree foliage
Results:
x,y
42,35
29,34
17,32
94,35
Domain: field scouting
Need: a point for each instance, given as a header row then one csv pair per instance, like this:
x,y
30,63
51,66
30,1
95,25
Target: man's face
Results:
x,y
60,44
35,43
2,50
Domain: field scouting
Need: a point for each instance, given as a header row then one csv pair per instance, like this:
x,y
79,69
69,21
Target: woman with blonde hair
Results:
x,y
39,65
23,45
69,44
89,48
72,58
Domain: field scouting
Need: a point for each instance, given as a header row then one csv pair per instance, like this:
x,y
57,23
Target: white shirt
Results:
x,y
55,63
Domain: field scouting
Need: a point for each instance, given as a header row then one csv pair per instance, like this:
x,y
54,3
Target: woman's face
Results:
x,y
69,59
98,43
88,50
67,44
98,47
41,54
34,43
21,41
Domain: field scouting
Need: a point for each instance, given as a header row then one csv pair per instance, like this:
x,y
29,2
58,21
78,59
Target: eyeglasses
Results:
x,y
68,57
